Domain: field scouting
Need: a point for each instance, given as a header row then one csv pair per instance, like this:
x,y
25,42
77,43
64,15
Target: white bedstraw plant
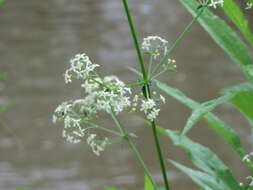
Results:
x,y
107,94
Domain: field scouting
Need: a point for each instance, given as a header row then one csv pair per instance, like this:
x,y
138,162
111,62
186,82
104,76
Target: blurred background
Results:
x,y
37,39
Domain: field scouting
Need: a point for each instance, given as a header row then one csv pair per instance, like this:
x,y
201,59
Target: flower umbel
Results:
x,y
154,45
81,67
102,94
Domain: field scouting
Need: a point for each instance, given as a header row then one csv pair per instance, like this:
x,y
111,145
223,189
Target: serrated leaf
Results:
x,y
204,159
222,34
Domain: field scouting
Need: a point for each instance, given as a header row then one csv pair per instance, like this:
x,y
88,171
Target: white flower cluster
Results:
x,y
249,5
154,45
103,94
148,106
212,3
97,146
81,66
215,3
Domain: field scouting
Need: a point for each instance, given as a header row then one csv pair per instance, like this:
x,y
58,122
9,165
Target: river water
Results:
x,y
37,39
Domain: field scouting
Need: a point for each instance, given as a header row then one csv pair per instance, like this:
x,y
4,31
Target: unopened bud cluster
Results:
x,y
170,66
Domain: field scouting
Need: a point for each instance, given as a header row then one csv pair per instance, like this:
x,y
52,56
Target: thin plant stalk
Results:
x,y
178,40
133,147
148,94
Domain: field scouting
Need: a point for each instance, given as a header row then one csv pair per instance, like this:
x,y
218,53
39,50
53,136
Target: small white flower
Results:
x,y
162,98
54,119
247,157
96,146
249,5
153,114
215,3
136,98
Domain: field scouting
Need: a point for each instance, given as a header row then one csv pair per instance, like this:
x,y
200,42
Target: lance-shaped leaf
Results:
x,y
243,99
207,161
205,181
203,109
223,129
218,125
221,33
236,15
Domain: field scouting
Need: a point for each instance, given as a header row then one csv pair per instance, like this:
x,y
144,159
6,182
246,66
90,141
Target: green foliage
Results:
x,y
203,109
218,125
243,99
110,188
1,1
236,15
222,34
2,76
147,184
204,159
204,180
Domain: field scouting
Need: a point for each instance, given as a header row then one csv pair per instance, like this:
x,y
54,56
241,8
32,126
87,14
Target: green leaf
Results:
x,y
204,159
202,110
207,182
3,108
223,129
148,184
110,188
218,125
248,70
1,1
222,34
2,76
236,15
217,173
243,99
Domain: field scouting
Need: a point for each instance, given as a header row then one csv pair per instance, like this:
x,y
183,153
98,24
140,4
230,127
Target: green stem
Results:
x,y
178,40
133,148
136,84
104,129
147,88
136,43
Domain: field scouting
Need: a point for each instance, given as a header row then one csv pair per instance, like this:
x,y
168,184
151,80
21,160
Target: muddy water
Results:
x,y
37,38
